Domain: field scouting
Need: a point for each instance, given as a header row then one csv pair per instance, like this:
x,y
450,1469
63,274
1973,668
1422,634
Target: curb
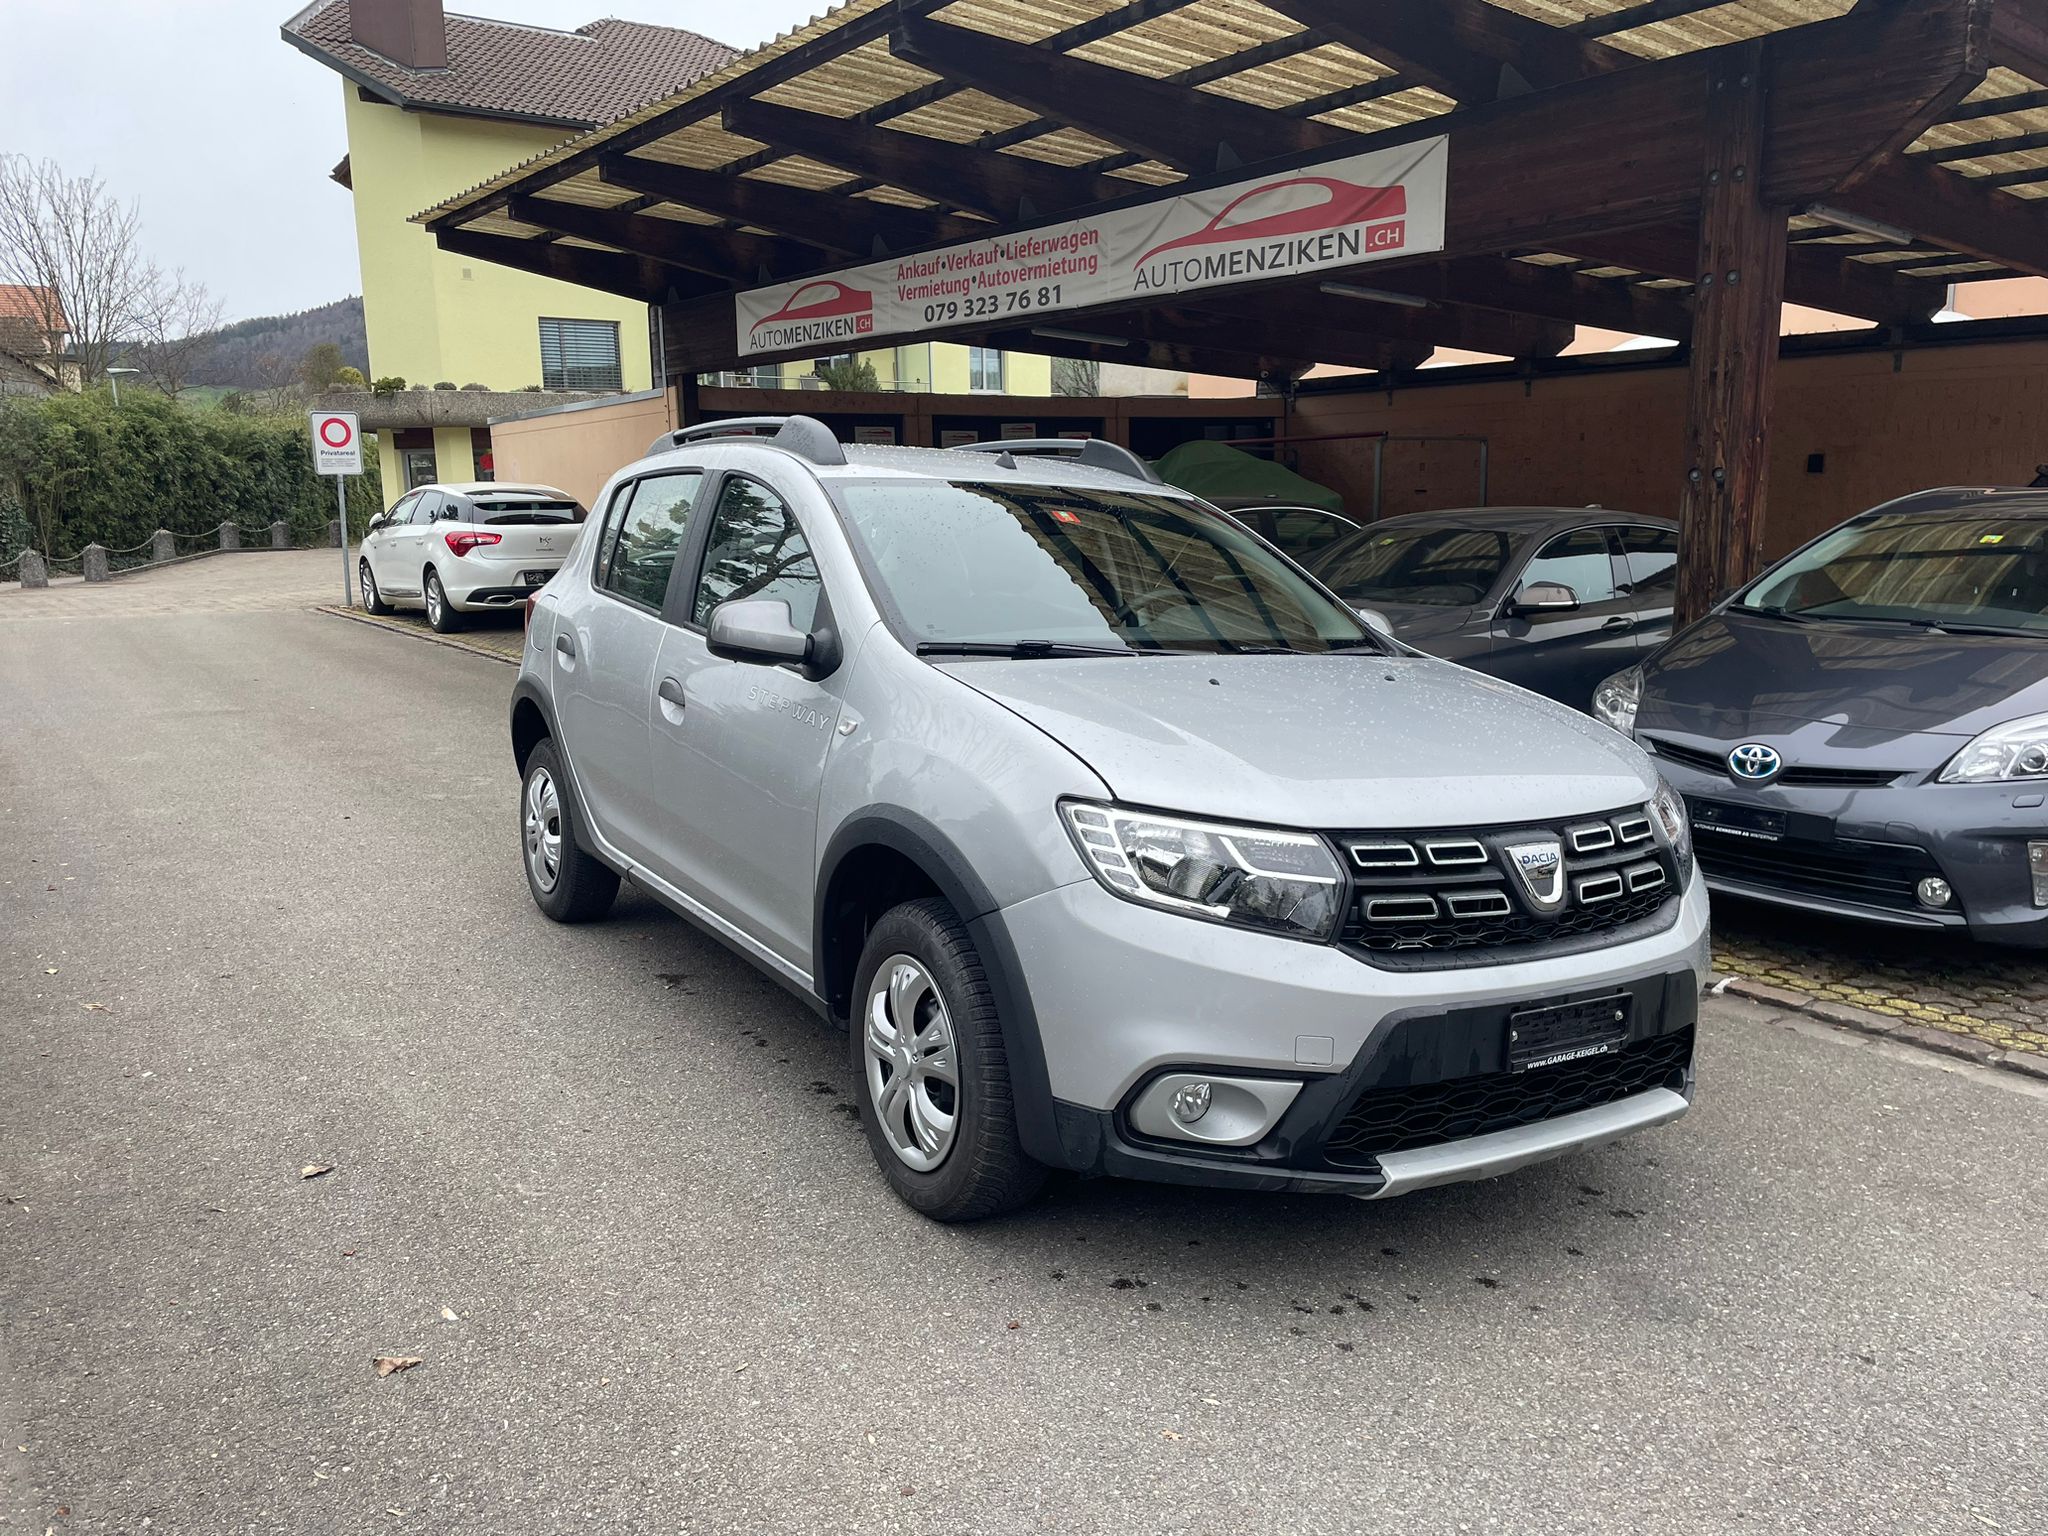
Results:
x,y
1865,1021
373,622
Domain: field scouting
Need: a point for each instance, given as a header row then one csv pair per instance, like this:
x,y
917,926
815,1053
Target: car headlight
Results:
x,y
1615,700
2017,749
1669,809
1281,882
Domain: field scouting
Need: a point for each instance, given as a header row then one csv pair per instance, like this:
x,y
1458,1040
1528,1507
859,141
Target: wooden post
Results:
x,y
1737,304
688,411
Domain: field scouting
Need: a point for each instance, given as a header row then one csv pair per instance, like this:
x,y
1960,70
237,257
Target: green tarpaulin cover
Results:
x,y
1217,471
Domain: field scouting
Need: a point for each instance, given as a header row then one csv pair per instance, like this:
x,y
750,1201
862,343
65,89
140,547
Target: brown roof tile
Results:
x,y
504,69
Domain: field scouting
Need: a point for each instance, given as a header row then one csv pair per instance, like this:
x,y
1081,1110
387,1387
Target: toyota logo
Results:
x,y
1754,762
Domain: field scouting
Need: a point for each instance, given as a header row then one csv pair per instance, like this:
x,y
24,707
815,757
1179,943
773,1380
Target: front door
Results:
x,y
1566,654
607,637
738,764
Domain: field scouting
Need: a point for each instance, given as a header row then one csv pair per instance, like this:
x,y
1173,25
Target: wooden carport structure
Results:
x,y
1676,168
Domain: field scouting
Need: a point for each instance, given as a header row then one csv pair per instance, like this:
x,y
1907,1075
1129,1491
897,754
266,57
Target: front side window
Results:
x,y
1579,560
580,354
1982,570
402,511
650,535
755,549
1436,567
985,369
978,564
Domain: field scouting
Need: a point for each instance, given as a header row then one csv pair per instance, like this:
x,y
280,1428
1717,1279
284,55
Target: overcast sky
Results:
x,y
224,133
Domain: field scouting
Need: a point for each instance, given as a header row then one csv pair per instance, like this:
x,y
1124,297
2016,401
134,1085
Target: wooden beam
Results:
x,y
2019,38
1008,188
1643,14
855,226
632,277
1440,324
1818,276
1192,129
1734,345
1950,210
710,249
1466,49
1554,292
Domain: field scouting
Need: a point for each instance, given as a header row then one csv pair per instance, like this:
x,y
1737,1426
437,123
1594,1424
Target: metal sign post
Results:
x,y
338,451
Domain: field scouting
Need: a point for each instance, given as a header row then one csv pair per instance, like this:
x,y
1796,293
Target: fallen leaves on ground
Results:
x,y
448,1315
315,1170
391,1365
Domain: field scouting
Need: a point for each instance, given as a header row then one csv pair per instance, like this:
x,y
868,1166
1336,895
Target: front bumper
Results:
x,y
1123,994
1857,852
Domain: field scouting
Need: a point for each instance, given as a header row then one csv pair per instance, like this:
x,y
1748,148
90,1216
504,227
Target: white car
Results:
x,y
456,549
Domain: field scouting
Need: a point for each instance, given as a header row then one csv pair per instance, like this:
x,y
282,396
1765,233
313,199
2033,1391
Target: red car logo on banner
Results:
x,y
1341,204
824,300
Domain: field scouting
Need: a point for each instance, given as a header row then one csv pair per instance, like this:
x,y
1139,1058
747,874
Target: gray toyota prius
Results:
x,y
1863,730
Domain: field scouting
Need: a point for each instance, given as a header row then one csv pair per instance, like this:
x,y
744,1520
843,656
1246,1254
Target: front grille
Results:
x,y
1383,1120
1452,897
1805,775
1872,874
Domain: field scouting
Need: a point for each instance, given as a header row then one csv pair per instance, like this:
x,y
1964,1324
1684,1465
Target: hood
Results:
x,y
1320,741
1734,675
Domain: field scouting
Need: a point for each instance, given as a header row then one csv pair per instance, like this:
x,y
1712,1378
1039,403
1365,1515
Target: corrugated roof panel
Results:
x,y
963,117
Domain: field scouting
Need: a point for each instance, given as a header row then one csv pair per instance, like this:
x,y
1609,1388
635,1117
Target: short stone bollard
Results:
x,y
94,559
35,571
162,547
230,536
280,534
334,532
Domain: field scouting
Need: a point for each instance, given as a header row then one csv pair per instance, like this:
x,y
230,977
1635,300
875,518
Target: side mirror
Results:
x,y
377,522
1543,597
1373,619
758,630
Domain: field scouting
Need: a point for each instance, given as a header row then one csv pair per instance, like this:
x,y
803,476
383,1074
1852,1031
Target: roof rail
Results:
x,y
805,436
1095,452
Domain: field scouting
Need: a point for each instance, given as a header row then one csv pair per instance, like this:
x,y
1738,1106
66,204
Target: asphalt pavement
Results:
x,y
262,910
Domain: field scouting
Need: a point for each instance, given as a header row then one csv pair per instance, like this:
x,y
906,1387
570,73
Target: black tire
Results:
x,y
440,612
373,599
985,1172
584,887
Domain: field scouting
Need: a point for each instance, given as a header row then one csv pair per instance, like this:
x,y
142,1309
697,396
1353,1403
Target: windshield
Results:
x,y
996,565
1434,566
1986,570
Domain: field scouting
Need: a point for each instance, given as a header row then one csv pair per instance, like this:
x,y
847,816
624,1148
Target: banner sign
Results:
x,y
1339,213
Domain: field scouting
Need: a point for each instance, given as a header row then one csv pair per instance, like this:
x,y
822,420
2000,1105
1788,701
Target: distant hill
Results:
x,y
250,353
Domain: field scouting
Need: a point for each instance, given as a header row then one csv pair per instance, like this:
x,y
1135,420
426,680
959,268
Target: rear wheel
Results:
x,y
935,1080
568,884
373,600
440,612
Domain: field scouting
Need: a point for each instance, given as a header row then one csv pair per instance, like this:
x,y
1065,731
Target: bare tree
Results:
x,y
66,240
173,330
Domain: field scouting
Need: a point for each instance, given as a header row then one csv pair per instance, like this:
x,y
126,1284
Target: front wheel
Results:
x,y
440,612
373,600
568,884
928,1048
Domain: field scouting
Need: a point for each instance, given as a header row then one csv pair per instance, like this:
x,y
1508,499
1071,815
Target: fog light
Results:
x,y
1934,892
2037,862
1191,1102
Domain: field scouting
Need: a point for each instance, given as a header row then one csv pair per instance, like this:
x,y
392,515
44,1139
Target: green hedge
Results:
x,y
74,470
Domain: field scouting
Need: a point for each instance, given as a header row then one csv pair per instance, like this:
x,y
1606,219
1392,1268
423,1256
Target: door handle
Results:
x,y
671,692
1619,622
565,645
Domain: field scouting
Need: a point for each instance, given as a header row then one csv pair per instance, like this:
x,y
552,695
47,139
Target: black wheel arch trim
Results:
x,y
932,852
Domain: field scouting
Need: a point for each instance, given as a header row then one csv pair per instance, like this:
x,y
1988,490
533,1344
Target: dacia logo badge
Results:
x,y
1754,763
1540,865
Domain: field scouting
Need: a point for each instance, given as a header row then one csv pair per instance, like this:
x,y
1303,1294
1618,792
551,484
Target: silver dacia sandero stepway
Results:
x,y
1115,842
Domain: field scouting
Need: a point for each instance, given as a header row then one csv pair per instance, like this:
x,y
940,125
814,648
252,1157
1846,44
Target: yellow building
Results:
x,y
436,103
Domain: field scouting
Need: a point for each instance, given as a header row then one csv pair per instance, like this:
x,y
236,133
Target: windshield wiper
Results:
x,y
1782,615
1021,649
1953,626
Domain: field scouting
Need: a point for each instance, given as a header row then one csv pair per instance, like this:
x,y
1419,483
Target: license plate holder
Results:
x,y
1755,822
1561,1032
535,578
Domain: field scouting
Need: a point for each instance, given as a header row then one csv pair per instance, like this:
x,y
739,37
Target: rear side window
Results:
x,y
1652,560
1578,560
756,550
650,531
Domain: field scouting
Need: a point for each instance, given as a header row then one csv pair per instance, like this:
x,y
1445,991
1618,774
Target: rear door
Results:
x,y
1650,560
739,762
1565,654
607,637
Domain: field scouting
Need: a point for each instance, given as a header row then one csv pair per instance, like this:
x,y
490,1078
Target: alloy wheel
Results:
x,y
913,1067
434,599
367,584
543,830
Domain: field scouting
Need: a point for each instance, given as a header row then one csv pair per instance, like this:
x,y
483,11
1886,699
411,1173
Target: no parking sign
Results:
x,y
337,445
